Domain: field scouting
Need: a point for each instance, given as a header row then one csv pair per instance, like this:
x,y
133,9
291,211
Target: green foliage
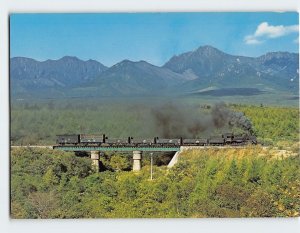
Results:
x,y
260,203
39,123
118,163
49,179
273,123
206,183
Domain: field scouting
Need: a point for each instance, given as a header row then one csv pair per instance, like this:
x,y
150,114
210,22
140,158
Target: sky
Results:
x,y
153,37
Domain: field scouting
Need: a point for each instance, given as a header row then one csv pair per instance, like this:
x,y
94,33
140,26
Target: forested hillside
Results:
x,y
250,182
273,124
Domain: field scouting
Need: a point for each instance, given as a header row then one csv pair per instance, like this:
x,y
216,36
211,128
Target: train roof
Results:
x,y
60,135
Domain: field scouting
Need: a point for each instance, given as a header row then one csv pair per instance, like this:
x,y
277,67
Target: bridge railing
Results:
x,y
99,148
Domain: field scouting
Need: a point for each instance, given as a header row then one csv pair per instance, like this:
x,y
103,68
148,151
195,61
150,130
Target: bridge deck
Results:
x,y
99,148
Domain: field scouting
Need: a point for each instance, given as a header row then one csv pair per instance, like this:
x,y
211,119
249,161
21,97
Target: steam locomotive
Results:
x,y
104,141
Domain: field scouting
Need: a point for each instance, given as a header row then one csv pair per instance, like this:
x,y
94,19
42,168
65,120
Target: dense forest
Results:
x,y
255,181
273,124
248,182
39,123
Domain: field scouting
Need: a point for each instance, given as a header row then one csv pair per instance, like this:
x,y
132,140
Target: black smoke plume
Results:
x,y
177,120
223,116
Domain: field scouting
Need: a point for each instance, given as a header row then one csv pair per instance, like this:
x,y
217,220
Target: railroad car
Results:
x,y
142,142
87,139
216,141
102,140
118,141
68,139
195,142
169,141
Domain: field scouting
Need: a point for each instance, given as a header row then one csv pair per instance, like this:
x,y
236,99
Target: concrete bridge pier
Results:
x,y
174,160
137,160
95,157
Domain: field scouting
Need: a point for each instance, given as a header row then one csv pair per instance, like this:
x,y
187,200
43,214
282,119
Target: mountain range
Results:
x,y
201,71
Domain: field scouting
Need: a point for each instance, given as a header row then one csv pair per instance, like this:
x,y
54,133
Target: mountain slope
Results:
x,y
204,69
28,75
134,78
212,67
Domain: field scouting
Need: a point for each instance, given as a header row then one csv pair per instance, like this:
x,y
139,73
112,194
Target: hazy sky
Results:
x,y
153,37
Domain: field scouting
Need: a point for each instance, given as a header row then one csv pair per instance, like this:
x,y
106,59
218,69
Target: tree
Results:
x,y
44,204
259,204
119,163
49,179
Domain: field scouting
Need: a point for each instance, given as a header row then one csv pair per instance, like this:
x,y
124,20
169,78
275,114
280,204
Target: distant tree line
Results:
x,y
39,123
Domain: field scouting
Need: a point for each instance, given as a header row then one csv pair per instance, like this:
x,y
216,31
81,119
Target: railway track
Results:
x,y
33,146
182,147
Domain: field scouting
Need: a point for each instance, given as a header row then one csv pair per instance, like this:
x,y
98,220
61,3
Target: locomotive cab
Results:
x,y
228,137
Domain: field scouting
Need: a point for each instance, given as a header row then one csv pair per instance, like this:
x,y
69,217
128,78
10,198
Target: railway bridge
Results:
x,y
136,151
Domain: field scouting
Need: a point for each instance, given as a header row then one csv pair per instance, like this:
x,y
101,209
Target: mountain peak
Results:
x,y
203,67
124,62
68,71
23,59
70,58
127,62
203,61
208,50
206,47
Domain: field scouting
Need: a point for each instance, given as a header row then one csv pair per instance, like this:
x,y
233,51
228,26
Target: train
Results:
x,y
104,141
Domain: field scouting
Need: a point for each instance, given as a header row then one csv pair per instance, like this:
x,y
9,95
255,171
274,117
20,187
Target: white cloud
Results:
x,y
252,40
265,31
296,40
